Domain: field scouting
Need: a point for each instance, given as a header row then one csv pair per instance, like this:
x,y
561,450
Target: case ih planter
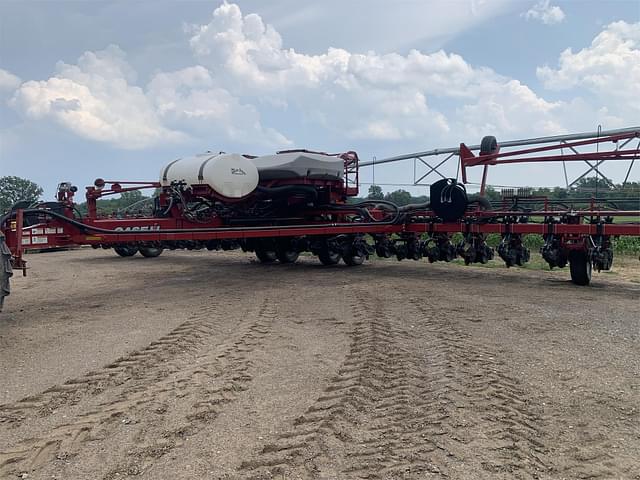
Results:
x,y
295,201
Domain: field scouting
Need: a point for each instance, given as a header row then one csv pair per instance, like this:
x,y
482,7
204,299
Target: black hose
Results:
x,y
163,214
480,200
19,204
4,218
363,212
414,206
83,227
360,205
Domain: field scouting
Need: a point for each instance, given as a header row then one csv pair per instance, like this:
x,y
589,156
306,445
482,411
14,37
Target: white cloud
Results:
x,y
544,12
97,99
609,69
189,99
510,110
247,81
8,81
358,96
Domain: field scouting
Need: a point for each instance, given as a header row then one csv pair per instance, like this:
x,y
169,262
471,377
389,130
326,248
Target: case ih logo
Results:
x,y
237,171
145,228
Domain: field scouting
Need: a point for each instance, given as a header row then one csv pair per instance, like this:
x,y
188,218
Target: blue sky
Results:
x,y
117,89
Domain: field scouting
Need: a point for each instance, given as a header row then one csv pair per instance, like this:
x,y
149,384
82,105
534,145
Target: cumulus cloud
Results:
x,y
246,69
95,100
609,68
190,99
245,80
359,95
544,12
8,81
510,110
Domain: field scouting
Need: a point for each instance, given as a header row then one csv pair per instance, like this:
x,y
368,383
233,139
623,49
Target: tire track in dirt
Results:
x,y
374,373
198,380
483,408
512,424
410,404
217,377
185,337
585,447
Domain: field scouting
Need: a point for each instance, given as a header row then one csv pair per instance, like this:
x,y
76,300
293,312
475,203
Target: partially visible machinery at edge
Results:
x,y
297,201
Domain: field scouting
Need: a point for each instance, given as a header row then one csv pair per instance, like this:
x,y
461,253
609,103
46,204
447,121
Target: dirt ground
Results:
x,y
210,365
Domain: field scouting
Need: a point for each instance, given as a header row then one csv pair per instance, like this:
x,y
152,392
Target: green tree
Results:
x,y
15,189
399,197
593,183
129,198
559,193
491,193
375,192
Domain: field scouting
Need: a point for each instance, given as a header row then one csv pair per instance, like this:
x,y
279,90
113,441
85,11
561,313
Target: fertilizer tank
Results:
x,y
228,174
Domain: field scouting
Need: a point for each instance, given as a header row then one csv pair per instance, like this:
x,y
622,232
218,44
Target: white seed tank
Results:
x,y
228,174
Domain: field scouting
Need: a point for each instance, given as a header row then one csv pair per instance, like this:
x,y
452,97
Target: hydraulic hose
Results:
x,y
360,205
414,206
84,227
4,218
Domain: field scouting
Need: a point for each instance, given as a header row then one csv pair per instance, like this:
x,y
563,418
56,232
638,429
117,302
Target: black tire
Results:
x,y
126,250
287,256
327,257
488,145
353,260
151,252
266,256
286,251
523,258
580,267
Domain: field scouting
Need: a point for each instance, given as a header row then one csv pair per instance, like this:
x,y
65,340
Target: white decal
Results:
x,y
39,240
147,228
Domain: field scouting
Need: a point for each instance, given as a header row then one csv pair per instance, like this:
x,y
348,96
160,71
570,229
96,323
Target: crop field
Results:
x,y
211,365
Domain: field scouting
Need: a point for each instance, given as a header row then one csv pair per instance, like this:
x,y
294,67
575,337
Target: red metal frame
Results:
x,y
468,159
126,230
574,227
